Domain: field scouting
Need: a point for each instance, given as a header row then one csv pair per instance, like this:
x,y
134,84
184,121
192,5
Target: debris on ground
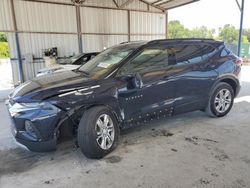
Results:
x,y
113,159
194,140
161,132
204,182
220,154
49,181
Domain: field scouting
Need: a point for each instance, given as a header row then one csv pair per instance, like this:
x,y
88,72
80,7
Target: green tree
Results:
x,y
3,37
246,32
202,32
245,39
4,50
228,33
177,30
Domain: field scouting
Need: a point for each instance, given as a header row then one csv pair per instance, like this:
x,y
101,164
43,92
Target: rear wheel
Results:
x,y
221,100
98,132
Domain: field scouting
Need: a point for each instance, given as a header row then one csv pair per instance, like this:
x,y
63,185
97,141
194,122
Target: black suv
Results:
x,y
128,84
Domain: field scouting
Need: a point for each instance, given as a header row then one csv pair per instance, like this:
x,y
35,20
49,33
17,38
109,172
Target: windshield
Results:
x,y
72,59
105,61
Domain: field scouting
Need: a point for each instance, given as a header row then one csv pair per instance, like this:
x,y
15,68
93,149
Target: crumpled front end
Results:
x,y
34,124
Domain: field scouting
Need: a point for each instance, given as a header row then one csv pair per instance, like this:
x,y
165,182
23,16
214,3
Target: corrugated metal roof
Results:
x,y
155,5
168,4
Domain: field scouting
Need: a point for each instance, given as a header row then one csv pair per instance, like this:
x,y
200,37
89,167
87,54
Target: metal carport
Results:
x,y
77,26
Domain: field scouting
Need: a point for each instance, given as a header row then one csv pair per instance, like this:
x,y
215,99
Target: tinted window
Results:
x,y
188,54
149,59
225,52
207,51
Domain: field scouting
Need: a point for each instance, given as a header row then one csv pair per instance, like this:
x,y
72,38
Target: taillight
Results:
x,y
239,61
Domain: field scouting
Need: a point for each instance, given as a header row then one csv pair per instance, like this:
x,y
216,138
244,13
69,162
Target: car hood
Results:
x,y
56,68
50,85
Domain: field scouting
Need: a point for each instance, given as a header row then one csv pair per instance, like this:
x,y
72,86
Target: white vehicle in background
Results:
x,y
71,63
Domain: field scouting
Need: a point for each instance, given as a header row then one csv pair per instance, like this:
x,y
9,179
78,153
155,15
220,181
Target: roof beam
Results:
x,y
157,1
238,4
125,3
176,6
150,4
116,4
165,2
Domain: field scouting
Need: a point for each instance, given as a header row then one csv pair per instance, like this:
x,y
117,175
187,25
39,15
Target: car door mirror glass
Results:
x,y
134,81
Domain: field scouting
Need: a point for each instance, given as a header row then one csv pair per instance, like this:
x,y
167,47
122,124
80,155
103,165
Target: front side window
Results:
x,y
149,59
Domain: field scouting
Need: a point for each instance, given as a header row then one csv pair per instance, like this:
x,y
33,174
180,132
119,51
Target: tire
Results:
x,y
89,131
213,108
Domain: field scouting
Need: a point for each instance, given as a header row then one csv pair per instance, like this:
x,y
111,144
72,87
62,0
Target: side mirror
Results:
x,y
137,81
134,81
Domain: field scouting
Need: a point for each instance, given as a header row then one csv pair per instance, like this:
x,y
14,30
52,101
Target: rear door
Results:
x,y
192,76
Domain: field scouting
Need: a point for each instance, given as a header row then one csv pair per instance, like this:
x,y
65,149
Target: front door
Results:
x,y
156,95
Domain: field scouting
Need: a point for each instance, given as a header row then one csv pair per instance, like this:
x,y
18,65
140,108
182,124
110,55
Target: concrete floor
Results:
x,y
200,152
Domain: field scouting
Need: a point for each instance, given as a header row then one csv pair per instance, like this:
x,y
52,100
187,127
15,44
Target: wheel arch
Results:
x,y
231,82
109,102
229,79
115,112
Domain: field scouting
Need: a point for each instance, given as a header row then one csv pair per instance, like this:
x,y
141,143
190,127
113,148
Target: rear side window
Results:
x,y
187,54
225,52
207,51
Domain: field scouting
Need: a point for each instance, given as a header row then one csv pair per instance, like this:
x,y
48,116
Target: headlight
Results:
x,y
18,108
36,105
32,105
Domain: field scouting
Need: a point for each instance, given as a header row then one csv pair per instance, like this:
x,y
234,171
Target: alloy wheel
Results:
x,y
105,131
223,100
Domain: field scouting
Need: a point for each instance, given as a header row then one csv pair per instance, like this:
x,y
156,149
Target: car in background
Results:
x,y
125,85
71,63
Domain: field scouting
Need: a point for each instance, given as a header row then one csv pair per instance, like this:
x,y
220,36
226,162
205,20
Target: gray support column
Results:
x,y
79,30
166,27
241,25
19,55
129,32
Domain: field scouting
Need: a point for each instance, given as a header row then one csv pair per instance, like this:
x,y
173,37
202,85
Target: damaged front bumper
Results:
x,y
34,124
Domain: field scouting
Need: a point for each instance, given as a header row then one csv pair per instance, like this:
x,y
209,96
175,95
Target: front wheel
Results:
x,y
98,132
221,100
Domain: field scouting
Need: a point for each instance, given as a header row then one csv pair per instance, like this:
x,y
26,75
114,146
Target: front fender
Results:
x,y
79,101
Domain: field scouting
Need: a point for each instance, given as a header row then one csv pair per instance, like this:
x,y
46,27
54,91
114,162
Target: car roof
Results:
x,y
172,41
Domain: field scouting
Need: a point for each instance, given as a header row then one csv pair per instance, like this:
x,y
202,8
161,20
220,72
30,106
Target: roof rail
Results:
x,y
183,39
125,42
